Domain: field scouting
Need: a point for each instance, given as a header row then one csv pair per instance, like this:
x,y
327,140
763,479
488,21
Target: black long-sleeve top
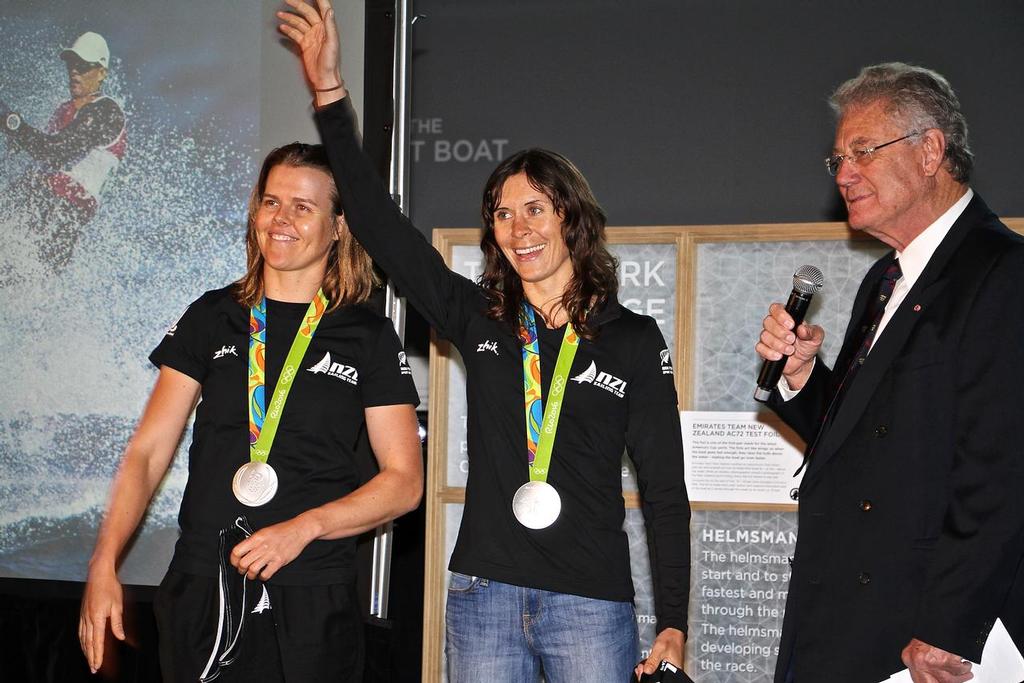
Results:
x,y
621,396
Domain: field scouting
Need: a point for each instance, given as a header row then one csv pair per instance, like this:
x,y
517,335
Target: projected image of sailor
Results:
x,y
75,152
126,162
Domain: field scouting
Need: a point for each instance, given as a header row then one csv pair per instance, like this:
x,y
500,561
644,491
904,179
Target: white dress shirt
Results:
x,y
913,260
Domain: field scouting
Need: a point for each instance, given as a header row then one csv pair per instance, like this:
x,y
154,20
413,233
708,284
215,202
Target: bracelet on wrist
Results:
x,y
337,87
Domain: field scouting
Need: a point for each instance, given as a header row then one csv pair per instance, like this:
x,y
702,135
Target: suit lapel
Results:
x,y
888,346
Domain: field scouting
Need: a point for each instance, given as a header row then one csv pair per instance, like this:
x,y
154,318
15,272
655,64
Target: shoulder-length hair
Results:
x,y
349,278
593,281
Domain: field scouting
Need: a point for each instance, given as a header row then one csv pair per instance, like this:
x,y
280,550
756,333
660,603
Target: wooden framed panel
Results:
x,y
732,274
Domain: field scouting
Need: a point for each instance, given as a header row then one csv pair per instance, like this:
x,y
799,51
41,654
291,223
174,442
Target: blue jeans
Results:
x,y
499,633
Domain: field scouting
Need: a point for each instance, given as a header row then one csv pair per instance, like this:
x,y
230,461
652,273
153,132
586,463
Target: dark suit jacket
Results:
x,y
912,506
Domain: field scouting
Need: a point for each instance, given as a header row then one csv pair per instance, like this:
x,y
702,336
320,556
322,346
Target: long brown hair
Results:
x,y
593,280
349,278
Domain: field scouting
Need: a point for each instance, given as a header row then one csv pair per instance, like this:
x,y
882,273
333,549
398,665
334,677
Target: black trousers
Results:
x,y
308,633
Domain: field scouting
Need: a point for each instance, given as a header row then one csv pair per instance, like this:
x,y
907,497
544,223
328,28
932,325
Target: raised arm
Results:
x,y
315,34
144,464
443,297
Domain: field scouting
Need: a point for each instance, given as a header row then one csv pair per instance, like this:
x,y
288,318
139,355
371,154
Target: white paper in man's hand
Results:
x,y
1001,661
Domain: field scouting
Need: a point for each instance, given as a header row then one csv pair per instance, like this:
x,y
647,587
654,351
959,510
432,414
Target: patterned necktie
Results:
x,y
872,318
868,327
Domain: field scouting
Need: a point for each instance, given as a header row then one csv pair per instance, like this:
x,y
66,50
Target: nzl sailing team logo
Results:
x,y
606,381
346,373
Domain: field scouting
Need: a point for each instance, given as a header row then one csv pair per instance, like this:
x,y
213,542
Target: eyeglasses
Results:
x,y
80,66
860,157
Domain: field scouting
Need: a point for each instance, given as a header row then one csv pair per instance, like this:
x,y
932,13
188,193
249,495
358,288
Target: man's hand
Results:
x,y
929,664
779,339
314,33
103,599
271,548
668,645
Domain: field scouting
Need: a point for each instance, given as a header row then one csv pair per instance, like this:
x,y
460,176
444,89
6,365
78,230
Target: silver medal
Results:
x,y
536,504
254,483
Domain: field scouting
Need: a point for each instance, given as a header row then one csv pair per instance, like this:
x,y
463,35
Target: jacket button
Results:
x,y
864,578
865,505
881,431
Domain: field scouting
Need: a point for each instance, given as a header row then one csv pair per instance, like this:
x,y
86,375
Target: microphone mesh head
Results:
x,y
808,280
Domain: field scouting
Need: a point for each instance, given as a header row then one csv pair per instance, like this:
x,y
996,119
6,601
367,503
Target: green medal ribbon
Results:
x,y
262,423
541,420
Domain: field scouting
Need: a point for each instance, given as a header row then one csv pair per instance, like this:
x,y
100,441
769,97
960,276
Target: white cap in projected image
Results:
x,y
90,47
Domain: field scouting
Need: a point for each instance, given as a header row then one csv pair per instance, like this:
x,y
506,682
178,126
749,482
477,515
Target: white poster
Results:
x,y
739,457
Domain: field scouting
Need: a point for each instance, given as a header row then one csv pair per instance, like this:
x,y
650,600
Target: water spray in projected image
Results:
x,y
169,224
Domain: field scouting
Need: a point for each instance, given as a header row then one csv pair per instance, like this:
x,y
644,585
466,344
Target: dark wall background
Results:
x,y
693,111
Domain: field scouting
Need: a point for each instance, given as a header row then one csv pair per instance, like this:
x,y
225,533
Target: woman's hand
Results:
x,y
103,601
668,645
145,462
313,31
270,548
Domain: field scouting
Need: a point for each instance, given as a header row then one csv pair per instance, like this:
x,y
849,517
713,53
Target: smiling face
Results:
x,y
528,231
294,224
885,193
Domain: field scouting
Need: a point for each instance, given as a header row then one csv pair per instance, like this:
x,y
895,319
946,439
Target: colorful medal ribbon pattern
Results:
x,y
541,423
263,426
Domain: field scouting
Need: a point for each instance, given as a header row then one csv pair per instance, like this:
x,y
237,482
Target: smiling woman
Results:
x,y
545,242
268,532
295,225
561,380
297,237
528,230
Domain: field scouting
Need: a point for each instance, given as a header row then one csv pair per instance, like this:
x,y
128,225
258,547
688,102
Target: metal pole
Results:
x,y
398,184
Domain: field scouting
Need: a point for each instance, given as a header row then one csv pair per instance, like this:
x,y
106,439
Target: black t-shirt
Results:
x,y
621,395
353,362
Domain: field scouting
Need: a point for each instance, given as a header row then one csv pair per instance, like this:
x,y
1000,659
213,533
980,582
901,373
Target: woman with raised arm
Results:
x,y
290,370
540,572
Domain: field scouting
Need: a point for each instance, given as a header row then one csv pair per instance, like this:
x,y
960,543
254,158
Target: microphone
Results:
x,y
806,281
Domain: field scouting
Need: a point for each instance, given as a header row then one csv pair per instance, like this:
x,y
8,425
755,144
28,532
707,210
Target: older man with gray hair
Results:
x,y
912,506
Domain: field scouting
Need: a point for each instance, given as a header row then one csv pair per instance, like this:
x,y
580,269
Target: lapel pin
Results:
x,y
917,308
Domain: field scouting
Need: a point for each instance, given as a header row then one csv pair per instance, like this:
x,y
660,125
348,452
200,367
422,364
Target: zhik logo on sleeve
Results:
x,y
225,350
